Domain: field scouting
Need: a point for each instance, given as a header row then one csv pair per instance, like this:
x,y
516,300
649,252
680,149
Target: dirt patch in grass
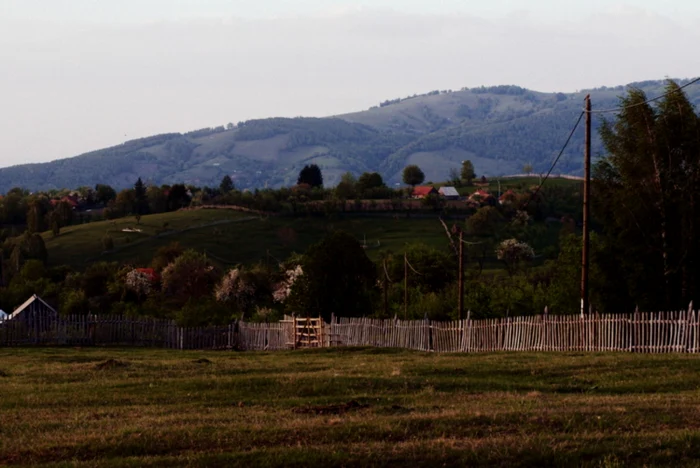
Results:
x,y
3,374
111,364
202,361
331,409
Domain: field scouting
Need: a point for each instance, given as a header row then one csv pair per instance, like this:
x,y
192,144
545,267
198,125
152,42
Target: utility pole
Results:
x,y
585,255
461,274
386,292
460,270
405,287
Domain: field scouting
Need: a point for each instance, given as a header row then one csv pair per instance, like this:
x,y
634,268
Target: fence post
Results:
x,y
686,337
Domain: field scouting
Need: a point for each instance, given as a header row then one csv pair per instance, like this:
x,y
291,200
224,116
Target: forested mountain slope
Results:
x,y
499,128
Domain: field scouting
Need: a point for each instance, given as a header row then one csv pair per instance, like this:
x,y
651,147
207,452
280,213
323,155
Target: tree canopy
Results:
x,y
413,175
647,195
311,175
338,279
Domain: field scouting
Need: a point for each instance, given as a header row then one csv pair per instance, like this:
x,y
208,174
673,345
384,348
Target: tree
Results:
x,y
140,199
178,197
37,209
646,191
347,186
55,219
338,279
527,169
413,175
226,184
191,275
157,200
64,210
125,202
104,194
369,181
467,172
311,175
485,222
514,254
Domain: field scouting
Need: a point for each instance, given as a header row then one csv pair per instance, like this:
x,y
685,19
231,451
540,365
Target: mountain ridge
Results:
x,y
499,128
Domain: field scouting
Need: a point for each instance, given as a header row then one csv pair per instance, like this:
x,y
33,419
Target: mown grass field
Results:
x,y
346,407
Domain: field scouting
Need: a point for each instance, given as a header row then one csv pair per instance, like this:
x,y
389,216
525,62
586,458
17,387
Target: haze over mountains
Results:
x,y
498,128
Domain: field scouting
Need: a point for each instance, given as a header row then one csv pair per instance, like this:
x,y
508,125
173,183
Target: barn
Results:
x,y
449,193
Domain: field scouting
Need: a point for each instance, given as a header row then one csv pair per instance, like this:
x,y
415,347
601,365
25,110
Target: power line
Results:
x,y
568,140
411,266
619,109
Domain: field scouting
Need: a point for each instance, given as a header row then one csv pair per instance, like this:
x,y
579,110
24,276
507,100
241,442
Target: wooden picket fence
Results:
x,y
657,332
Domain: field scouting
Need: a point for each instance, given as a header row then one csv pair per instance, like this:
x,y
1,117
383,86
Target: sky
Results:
x,y
80,75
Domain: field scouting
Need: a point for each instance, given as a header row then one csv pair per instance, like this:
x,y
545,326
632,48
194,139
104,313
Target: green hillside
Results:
x,y
230,237
499,128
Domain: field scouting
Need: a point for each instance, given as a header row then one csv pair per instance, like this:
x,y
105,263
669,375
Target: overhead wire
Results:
x,y
619,109
411,266
556,160
601,111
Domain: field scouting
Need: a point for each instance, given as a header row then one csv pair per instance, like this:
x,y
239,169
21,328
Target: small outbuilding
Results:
x,y
449,193
34,308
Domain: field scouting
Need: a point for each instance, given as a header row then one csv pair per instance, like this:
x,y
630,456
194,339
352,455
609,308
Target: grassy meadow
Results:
x,y
346,407
232,237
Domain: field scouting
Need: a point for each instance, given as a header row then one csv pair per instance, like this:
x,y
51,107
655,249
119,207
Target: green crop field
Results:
x,y
346,407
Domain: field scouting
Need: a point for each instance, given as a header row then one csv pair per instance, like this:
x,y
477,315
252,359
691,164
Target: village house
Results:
x,y
482,197
422,191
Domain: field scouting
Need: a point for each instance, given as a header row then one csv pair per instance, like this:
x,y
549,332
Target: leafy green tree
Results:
x,y
338,279
486,222
125,202
347,187
191,275
104,194
226,184
311,175
647,195
369,181
157,200
467,172
413,175
527,169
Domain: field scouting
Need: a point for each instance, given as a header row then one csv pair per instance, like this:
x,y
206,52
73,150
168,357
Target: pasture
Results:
x,y
231,237
346,407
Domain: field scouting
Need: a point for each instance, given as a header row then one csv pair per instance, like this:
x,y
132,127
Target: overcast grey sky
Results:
x,y
79,75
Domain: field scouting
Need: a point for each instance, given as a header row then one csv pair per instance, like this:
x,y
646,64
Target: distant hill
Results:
x,y
499,129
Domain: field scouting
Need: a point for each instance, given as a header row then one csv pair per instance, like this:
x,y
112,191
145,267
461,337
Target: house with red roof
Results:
x,y
422,191
482,197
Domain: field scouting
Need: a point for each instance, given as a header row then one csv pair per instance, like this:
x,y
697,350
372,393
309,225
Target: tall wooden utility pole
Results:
x,y
386,291
461,274
585,255
405,287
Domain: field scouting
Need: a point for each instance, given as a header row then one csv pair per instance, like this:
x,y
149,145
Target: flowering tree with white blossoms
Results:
x,y
283,289
234,287
139,282
514,253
